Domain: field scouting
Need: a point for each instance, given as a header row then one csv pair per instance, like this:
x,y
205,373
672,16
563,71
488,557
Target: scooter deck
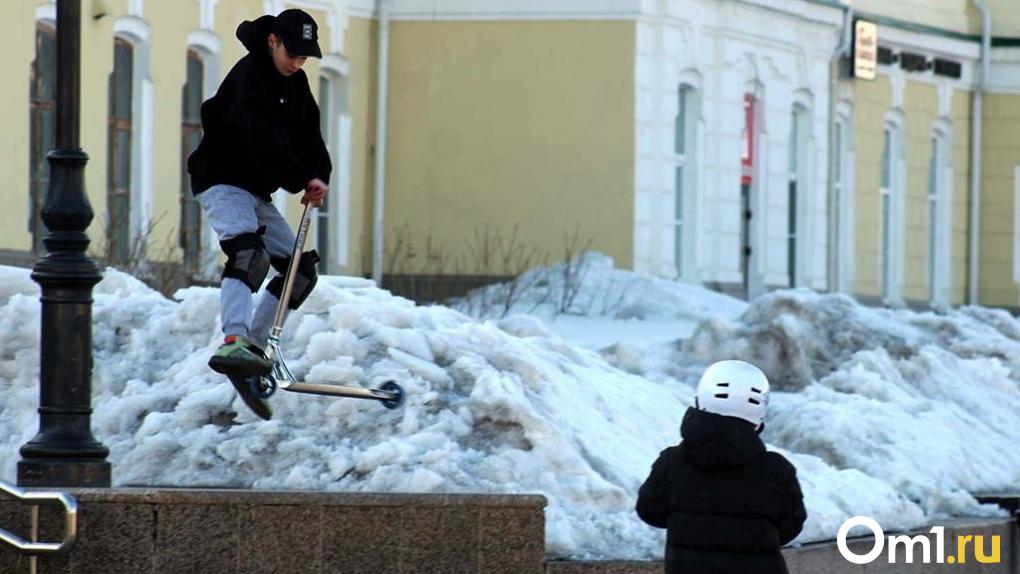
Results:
x,y
243,385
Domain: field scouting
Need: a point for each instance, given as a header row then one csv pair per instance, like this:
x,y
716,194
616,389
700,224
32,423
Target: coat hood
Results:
x,y
714,441
253,34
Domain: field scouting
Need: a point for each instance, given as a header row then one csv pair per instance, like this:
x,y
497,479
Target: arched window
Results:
x,y
842,166
331,224
797,191
885,189
323,236
42,121
118,206
891,186
684,143
190,228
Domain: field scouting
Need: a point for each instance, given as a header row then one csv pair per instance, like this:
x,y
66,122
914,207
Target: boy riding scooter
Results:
x,y
260,133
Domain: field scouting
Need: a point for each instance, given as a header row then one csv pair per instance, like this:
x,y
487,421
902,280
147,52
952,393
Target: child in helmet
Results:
x,y
728,504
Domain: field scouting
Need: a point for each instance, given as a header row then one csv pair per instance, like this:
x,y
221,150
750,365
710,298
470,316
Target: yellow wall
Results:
x,y
361,40
872,101
494,124
14,146
1005,18
1001,153
169,24
955,15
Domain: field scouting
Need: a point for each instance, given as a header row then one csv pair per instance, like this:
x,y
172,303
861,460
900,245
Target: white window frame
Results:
x,y
939,199
798,191
843,163
338,141
138,33
685,193
891,210
209,46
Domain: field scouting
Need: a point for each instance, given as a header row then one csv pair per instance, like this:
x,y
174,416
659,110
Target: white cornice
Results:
x,y
1005,76
501,9
929,44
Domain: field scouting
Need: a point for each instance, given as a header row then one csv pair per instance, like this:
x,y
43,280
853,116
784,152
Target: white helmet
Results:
x,y
734,389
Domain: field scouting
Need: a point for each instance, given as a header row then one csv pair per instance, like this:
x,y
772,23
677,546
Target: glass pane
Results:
x,y
44,86
886,153
794,142
322,245
932,241
192,108
324,108
680,123
886,238
837,168
791,243
123,152
792,208
122,78
679,192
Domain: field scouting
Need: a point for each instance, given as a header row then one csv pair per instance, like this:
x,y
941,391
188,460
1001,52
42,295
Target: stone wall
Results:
x,y
169,531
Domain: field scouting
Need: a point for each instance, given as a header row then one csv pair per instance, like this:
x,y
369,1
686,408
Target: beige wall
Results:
x,y
872,101
1001,154
495,124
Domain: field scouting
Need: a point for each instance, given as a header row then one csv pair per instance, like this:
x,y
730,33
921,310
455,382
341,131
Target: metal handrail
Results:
x,y
36,497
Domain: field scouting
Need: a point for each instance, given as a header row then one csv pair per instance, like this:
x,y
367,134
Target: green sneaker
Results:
x,y
239,357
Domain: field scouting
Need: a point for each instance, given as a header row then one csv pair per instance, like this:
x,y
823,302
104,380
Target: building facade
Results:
x,y
723,143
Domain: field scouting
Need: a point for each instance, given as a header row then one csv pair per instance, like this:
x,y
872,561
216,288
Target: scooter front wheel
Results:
x,y
262,387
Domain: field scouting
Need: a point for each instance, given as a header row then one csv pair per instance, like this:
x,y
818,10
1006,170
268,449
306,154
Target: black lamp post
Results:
x,y
65,453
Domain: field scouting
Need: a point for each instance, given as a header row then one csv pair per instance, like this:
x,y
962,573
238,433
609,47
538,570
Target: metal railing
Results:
x,y
34,498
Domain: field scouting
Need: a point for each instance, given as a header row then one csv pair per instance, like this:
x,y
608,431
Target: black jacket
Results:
x,y
261,129
728,504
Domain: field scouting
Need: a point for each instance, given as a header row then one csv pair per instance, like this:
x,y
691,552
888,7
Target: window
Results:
x,y
838,198
934,184
322,244
885,189
794,161
190,228
42,122
680,163
119,148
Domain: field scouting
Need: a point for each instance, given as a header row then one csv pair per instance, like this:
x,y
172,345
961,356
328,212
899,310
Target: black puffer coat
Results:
x,y
728,504
261,129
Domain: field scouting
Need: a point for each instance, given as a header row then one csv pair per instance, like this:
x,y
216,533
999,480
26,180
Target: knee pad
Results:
x,y
247,259
304,281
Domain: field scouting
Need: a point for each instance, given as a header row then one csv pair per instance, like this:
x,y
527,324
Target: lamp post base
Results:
x,y
78,472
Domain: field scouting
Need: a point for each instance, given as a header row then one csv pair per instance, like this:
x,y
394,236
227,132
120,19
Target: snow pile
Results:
x,y
590,286
927,403
491,407
509,406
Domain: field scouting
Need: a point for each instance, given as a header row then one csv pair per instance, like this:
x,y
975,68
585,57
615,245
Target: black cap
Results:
x,y
299,32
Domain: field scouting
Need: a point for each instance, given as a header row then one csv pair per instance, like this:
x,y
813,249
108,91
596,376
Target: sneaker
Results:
x,y
239,357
